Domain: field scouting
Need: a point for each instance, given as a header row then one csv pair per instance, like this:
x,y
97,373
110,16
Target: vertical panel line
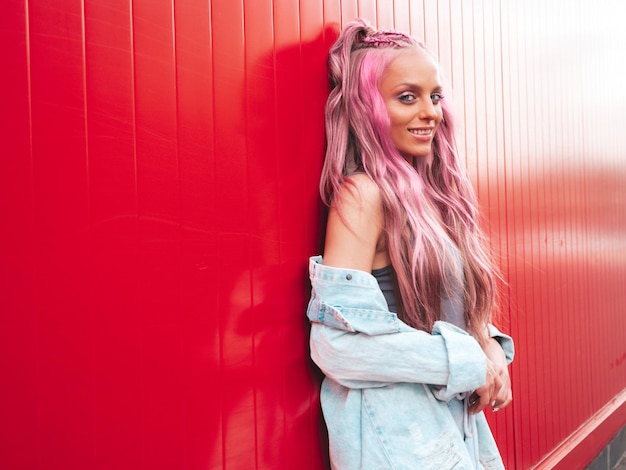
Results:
x,y
180,220
279,218
248,196
133,72
89,252
220,325
35,277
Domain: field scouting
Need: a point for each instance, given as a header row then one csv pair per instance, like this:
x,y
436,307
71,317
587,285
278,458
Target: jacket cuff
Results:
x,y
505,341
467,362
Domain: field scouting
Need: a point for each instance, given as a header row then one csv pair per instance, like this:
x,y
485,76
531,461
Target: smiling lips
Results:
x,y
423,132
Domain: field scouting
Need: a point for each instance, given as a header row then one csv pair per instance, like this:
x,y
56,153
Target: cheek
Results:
x,y
400,120
439,117
396,123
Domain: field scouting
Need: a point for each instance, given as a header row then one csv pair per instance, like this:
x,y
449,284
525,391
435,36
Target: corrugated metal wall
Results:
x,y
158,191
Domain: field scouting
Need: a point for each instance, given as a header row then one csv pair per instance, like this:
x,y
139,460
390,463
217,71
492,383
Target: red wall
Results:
x,y
158,190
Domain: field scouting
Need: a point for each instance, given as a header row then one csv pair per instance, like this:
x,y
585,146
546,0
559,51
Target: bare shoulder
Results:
x,y
354,224
359,192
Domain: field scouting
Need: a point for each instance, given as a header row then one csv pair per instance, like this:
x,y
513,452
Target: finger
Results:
x,y
500,395
503,403
482,401
473,402
503,395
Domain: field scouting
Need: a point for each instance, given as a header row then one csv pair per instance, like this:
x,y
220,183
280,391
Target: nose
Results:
x,y
427,111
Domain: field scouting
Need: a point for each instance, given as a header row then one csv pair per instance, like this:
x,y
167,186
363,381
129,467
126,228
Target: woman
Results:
x,y
401,301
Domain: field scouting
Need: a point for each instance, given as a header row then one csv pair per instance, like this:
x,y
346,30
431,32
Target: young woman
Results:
x,y
402,299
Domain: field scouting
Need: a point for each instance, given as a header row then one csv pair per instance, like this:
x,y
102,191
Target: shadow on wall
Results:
x,y
267,381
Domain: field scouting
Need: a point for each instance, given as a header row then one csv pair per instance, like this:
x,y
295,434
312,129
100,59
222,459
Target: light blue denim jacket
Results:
x,y
395,397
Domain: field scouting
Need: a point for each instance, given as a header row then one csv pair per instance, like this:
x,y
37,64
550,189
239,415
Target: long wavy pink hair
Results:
x,y
416,200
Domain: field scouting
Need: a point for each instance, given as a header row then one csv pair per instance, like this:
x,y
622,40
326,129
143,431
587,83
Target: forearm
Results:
x,y
447,358
504,341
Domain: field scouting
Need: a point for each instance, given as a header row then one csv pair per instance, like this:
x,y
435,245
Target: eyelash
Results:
x,y
435,97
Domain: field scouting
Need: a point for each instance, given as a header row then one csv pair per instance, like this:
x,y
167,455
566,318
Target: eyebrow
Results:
x,y
416,86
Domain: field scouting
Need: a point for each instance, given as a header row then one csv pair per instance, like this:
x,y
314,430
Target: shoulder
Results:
x,y
354,225
359,192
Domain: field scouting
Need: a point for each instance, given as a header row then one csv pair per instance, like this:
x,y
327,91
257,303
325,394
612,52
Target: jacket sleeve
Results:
x,y
357,342
448,358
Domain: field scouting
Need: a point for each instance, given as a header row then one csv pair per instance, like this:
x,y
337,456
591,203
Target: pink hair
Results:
x,y
421,197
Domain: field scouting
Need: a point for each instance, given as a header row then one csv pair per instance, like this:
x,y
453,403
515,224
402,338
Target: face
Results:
x,y
412,93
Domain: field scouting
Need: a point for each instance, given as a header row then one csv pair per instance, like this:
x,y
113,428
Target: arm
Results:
x,y
355,224
355,340
505,342
449,357
359,343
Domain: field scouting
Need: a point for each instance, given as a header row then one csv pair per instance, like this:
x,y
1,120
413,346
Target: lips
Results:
x,y
422,131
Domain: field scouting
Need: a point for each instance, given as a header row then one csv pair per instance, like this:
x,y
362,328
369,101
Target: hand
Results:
x,y
496,392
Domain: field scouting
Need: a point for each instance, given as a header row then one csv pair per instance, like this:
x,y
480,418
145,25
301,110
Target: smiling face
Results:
x,y
412,92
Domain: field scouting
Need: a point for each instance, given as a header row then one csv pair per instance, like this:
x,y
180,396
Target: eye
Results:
x,y
407,97
436,97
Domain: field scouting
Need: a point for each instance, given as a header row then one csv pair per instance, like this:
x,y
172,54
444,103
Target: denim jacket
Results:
x,y
395,397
